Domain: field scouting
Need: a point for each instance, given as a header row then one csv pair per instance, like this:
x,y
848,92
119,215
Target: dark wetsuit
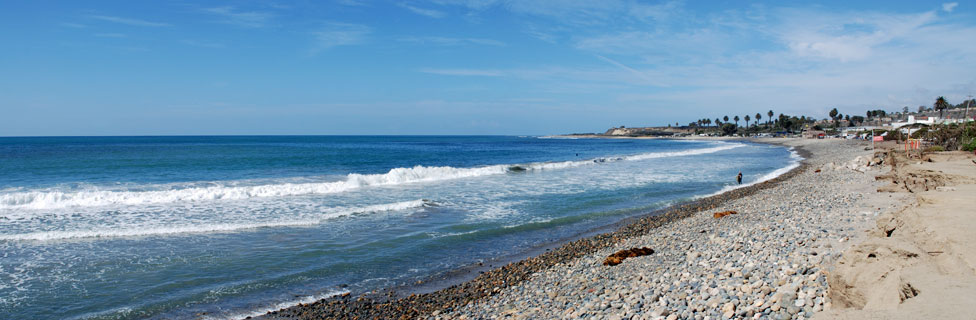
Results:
x,y
738,178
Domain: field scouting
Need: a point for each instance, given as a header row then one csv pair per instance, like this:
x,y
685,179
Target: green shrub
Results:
x,y
934,149
894,135
920,133
971,146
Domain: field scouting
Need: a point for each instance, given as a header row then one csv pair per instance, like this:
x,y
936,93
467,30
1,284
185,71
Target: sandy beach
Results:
x,y
811,243
918,261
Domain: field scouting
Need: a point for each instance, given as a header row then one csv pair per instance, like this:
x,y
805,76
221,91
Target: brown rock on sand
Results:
x,y
619,256
723,213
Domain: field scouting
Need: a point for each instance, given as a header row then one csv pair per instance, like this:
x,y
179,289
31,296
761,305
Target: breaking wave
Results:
x,y
141,231
53,199
795,160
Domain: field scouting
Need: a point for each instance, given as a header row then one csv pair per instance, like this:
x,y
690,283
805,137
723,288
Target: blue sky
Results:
x,y
465,66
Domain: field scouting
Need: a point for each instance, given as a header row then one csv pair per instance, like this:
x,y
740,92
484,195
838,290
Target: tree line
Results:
x,y
753,123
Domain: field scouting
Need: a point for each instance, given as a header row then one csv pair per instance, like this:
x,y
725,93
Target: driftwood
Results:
x,y
723,213
619,256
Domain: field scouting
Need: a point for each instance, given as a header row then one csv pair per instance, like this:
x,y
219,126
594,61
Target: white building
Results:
x,y
912,120
858,132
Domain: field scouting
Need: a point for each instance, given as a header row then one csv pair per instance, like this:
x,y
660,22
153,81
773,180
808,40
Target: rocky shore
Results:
x,y
766,261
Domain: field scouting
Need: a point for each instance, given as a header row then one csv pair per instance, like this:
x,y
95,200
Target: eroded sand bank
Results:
x,y
918,262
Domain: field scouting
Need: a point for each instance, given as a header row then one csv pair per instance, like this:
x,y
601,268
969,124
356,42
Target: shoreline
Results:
x,y
770,260
449,290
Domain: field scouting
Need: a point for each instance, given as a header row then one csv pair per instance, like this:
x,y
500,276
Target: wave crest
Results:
x,y
213,228
55,199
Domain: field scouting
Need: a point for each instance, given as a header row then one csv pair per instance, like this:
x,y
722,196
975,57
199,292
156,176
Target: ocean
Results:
x,y
234,226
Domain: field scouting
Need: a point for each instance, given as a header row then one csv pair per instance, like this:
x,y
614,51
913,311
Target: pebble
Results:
x,y
764,262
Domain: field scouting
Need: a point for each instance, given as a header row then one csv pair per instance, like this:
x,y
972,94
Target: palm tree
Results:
x,y
736,118
747,121
940,104
718,122
758,117
770,117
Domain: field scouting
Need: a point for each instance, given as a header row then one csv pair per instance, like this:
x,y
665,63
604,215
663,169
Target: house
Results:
x,y
814,134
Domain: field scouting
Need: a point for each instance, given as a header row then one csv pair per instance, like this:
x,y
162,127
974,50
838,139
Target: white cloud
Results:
x,y
464,72
447,41
353,3
792,60
336,34
129,21
638,73
110,35
251,19
659,12
577,12
203,44
847,37
948,7
425,12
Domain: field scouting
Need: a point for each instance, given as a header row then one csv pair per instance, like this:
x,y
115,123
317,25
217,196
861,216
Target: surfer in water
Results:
x,y
738,178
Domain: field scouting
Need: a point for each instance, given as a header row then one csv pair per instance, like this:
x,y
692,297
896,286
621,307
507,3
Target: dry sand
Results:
x,y
919,262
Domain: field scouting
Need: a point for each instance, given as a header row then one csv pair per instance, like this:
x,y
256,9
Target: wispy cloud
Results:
x,y
354,3
464,72
849,37
203,44
110,35
424,12
447,41
635,72
948,7
250,19
576,12
130,21
659,12
336,34
790,59
813,59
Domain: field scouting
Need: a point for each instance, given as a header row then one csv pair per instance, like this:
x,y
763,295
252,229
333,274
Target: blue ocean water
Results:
x,y
231,226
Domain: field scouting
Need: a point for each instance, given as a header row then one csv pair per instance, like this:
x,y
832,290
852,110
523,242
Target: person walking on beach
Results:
x,y
738,178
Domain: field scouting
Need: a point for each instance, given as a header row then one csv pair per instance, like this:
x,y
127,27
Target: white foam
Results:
x,y
95,196
210,228
722,147
769,176
282,305
435,235
54,199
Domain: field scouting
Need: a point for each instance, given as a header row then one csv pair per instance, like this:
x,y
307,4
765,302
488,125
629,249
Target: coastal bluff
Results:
x,y
647,131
